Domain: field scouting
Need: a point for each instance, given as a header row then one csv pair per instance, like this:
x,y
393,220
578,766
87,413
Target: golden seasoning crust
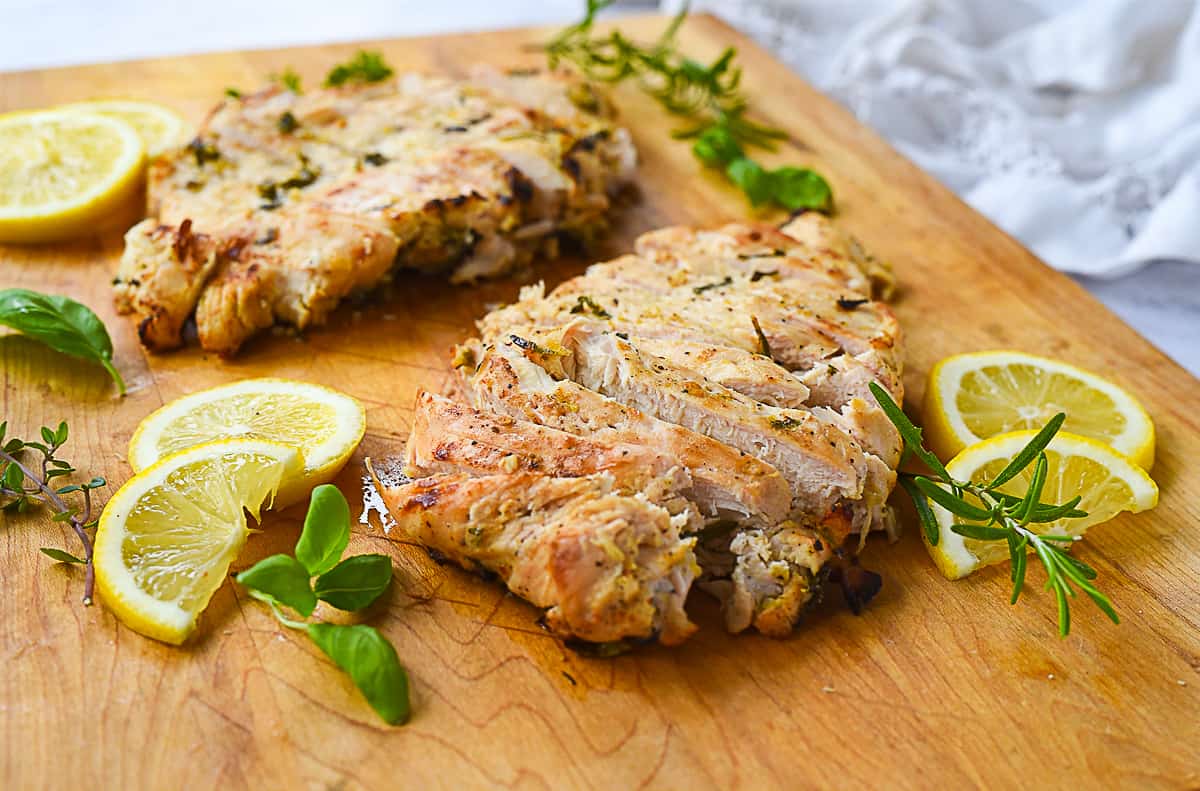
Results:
x,y
742,354
307,198
743,338
605,566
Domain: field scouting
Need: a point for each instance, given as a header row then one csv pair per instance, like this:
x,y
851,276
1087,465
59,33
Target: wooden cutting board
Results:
x,y
938,684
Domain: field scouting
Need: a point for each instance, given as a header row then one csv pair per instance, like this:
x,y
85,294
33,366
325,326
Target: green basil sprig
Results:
x,y
711,95
790,187
60,323
351,584
365,66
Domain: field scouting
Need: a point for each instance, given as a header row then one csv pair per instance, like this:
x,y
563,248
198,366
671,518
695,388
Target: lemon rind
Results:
x,y
951,555
122,177
139,610
352,423
1137,441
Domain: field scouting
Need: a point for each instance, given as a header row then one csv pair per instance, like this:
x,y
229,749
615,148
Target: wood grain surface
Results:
x,y
937,685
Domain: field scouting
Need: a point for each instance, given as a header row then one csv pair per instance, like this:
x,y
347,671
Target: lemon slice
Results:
x,y
62,171
159,127
1108,482
324,424
970,397
167,537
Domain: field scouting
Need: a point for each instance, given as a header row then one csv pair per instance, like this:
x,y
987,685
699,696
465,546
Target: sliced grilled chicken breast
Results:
x,y
725,481
605,566
744,356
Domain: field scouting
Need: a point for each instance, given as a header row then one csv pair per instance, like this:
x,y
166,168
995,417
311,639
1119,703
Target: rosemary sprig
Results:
x,y
24,485
999,516
711,94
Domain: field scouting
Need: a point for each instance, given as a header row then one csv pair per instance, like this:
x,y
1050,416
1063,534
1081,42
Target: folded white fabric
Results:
x,y
1075,126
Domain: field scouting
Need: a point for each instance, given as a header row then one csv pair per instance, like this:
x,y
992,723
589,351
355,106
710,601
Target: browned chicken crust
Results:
x,y
285,203
606,566
743,355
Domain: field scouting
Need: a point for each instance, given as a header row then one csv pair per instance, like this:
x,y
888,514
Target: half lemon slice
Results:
x,y
324,424
1108,482
159,127
970,397
63,171
167,537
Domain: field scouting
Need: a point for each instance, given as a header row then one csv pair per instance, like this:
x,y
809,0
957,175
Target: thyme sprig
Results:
x,y
25,484
994,515
710,94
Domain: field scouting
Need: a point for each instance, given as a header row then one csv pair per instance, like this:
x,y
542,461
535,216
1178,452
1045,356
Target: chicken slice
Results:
x,y
818,234
694,257
161,277
726,482
450,437
823,465
751,375
605,566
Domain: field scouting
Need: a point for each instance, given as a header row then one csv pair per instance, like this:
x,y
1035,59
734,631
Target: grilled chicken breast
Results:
x,y
286,203
606,566
743,355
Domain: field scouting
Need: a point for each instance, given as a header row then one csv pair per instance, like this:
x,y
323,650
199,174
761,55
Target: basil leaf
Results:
x,y
61,556
326,530
750,176
717,147
355,582
372,664
801,188
60,323
284,580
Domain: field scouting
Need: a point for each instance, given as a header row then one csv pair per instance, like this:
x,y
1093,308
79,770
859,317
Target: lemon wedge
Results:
x,y
62,171
166,538
159,127
324,424
970,397
1108,482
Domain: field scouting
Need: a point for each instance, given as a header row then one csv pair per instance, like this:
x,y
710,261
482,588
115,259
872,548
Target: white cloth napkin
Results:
x,y
1073,125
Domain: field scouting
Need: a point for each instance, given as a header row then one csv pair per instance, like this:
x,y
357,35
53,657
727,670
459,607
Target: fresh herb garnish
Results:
x,y
764,348
709,94
375,159
288,79
586,304
273,192
728,280
203,151
999,516
24,485
233,93
351,584
365,66
60,323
